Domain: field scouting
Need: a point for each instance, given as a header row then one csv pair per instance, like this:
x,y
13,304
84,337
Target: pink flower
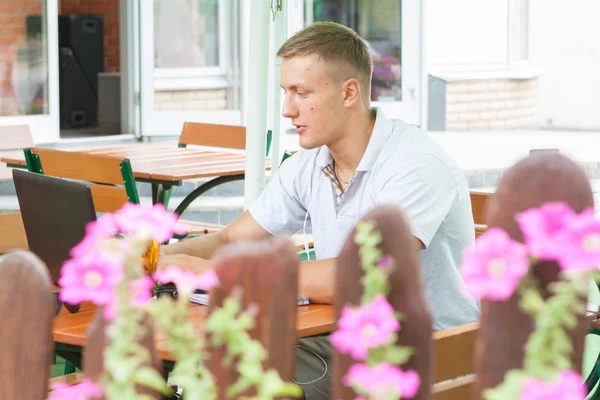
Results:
x,y
568,386
366,327
185,281
385,262
580,243
149,222
540,227
103,228
141,291
85,390
92,278
381,381
493,268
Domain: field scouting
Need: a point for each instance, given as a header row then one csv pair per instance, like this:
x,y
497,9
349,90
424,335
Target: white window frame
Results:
x,y
410,107
151,122
195,78
500,69
45,128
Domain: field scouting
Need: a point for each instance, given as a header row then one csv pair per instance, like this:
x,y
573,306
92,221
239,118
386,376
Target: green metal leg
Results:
x,y
69,368
161,194
200,190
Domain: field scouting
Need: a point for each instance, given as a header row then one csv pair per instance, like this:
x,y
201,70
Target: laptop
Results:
x,y
55,213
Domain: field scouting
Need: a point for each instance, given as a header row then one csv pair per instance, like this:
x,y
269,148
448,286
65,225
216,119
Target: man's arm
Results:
x,y
194,254
317,278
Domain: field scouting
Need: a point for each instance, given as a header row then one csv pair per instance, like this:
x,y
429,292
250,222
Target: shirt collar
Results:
x,y
381,131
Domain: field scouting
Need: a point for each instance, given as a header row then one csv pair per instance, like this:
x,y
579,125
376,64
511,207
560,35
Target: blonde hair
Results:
x,y
334,43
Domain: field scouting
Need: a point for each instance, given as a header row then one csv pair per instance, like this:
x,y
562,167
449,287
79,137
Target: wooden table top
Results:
x,y
72,329
166,163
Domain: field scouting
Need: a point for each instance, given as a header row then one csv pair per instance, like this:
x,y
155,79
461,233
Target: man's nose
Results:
x,y
289,109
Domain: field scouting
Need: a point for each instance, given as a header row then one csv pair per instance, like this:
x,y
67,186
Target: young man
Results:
x,y
354,159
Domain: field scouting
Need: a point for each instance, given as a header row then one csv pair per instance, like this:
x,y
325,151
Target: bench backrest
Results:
x,y
110,178
12,232
215,135
478,207
453,367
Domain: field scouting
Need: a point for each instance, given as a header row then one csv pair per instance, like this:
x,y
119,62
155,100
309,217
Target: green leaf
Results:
x,y
151,378
398,355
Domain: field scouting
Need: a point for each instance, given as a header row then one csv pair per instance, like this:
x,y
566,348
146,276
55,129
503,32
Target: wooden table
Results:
x,y
168,166
71,329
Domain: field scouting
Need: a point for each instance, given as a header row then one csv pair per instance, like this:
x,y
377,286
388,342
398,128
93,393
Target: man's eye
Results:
x,y
302,94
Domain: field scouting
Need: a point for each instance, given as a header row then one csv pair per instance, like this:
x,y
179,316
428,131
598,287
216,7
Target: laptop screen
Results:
x,y
55,213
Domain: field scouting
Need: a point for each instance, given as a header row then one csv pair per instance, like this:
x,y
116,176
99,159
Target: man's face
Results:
x,y
313,100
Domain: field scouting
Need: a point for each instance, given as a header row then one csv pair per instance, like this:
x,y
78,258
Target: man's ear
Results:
x,y
352,91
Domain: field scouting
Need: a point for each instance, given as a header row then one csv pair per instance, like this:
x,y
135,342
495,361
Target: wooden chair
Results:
x,y
15,137
212,135
27,304
12,233
453,366
478,204
110,179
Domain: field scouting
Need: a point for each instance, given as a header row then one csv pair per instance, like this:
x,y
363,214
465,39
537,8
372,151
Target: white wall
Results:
x,y
466,31
565,44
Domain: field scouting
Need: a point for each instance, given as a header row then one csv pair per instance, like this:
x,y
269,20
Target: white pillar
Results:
x,y
256,126
280,36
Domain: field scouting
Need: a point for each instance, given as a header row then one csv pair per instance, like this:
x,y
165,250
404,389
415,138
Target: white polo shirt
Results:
x,y
401,165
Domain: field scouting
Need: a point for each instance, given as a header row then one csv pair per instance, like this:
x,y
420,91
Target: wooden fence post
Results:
x,y
505,329
27,307
267,274
407,296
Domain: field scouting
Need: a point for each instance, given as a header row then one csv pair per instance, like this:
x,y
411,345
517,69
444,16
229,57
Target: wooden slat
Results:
x,y
457,389
453,352
478,203
108,198
15,137
14,159
229,136
12,232
80,166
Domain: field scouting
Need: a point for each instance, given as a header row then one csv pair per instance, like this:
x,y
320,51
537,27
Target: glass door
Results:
x,y
29,67
392,30
190,55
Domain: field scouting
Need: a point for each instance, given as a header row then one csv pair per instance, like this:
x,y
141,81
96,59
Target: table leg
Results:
x,y
161,193
205,187
72,354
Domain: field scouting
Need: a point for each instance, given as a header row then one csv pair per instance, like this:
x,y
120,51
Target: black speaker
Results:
x,y
84,35
78,102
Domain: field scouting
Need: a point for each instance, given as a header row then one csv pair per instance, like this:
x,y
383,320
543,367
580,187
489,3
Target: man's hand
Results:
x,y
183,261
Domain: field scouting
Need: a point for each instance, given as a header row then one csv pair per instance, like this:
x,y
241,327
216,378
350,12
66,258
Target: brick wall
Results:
x,y
190,100
13,48
22,61
110,10
491,104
